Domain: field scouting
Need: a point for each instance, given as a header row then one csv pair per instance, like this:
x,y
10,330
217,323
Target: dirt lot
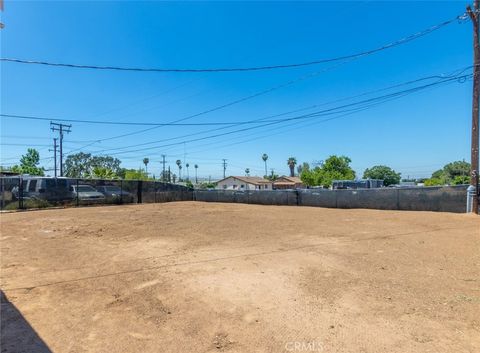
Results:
x,y
205,277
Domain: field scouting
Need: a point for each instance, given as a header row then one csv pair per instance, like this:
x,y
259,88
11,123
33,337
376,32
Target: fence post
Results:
x,y
139,191
3,194
121,191
398,198
155,192
77,195
20,193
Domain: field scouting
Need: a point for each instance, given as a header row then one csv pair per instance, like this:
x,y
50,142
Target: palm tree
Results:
x,y
265,157
188,174
146,161
247,171
174,177
196,179
179,164
292,161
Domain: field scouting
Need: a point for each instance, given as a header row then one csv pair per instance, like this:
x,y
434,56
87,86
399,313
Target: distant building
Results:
x,y
7,173
244,183
287,182
357,184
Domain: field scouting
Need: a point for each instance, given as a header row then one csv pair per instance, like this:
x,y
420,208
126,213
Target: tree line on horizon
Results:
x,y
86,166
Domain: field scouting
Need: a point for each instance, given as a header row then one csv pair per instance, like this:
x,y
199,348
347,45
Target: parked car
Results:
x,y
115,194
47,189
87,193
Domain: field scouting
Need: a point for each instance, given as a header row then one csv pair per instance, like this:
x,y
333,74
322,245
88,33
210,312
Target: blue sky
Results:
x,y
415,135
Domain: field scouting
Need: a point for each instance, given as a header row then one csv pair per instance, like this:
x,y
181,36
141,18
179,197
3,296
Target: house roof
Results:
x,y
289,179
248,180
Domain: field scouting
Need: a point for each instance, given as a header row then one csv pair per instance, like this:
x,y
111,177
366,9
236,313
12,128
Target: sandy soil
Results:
x,y
205,277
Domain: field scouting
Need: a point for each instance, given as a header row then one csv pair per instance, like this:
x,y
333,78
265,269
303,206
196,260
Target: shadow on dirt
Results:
x,y
16,333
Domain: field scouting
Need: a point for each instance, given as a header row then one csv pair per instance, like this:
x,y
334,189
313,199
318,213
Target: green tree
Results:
x,y
301,167
103,173
264,158
334,168
387,174
179,165
454,173
82,165
133,174
146,161
291,162
29,164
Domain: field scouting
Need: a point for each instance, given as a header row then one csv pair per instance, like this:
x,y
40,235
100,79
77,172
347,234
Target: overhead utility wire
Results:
x,y
346,59
13,116
254,68
453,74
302,123
306,116
176,123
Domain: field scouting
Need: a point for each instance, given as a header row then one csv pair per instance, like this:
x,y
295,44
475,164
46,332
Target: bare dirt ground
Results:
x,y
205,277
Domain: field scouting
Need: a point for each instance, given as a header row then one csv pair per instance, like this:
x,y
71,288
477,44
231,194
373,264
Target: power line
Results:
x,y
124,123
331,111
440,76
242,69
345,60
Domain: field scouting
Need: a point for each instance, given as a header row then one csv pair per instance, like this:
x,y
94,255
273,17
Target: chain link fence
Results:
x,y
38,192
442,199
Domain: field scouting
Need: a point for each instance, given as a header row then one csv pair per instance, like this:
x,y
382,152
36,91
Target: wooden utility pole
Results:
x,y
55,155
475,17
224,167
61,128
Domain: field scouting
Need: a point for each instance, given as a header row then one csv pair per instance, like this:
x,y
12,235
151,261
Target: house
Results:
x,y
244,183
287,182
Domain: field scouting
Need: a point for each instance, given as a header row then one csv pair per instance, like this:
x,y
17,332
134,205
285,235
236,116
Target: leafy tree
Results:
x,y
146,161
334,168
454,173
264,158
179,164
292,161
303,167
29,164
207,185
272,176
387,174
133,174
82,165
434,182
189,184
460,180
103,173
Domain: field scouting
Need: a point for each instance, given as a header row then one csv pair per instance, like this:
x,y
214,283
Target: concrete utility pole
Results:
x,y
475,17
61,128
224,167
